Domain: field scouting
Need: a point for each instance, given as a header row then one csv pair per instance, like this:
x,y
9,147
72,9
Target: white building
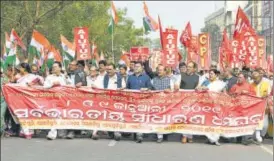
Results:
x,y
231,8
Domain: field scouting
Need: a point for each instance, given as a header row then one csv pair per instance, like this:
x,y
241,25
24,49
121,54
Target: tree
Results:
x,y
215,39
53,18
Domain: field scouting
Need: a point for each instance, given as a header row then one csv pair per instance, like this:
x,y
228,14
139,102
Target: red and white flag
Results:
x,y
186,36
242,23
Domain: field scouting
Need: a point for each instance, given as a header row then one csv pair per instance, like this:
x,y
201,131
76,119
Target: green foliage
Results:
x,y
53,18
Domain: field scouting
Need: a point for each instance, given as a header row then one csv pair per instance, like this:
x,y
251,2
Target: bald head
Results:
x,y
73,65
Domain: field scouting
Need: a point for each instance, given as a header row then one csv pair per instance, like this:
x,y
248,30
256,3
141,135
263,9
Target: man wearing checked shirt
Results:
x,y
162,82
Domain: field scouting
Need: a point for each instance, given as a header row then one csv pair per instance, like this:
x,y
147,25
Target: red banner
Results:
x,y
204,50
251,48
170,49
82,43
187,112
261,53
192,53
139,53
234,61
225,52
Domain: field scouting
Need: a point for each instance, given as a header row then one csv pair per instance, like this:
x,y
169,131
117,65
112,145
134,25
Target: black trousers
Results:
x,y
15,128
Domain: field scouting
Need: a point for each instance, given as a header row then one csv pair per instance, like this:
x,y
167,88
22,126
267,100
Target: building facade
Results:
x,y
267,24
216,18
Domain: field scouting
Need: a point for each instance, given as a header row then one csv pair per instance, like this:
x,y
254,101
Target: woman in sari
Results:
x,y
215,85
27,79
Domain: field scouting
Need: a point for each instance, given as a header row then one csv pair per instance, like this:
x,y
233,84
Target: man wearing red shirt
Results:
x,y
242,86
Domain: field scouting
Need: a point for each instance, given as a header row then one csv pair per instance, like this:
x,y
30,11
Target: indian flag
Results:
x,y
14,38
53,55
95,55
38,44
10,52
114,18
68,50
149,23
7,43
11,57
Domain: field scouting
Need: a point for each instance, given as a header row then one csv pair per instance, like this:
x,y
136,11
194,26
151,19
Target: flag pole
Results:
x,y
112,37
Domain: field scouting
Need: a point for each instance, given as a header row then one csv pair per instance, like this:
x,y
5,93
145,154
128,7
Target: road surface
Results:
x,y
85,149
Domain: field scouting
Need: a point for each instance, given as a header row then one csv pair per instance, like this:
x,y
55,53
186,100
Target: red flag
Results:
x,y
179,56
161,31
170,56
225,51
270,64
15,38
82,43
186,36
242,23
192,50
261,52
204,46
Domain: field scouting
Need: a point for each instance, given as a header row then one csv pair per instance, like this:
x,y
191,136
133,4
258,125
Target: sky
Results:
x,y
172,13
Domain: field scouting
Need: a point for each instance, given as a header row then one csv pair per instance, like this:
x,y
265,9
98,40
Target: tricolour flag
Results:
x,y
68,50
38,45
124,58
95,56
52,56
114,18
149,23
161,31
7,43
10,52
12,57
14,38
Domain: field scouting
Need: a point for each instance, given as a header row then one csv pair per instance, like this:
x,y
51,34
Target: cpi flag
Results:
x,y
82,43
261,52
204,47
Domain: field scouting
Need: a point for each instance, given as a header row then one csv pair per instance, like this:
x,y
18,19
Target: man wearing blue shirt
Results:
x,y
139,81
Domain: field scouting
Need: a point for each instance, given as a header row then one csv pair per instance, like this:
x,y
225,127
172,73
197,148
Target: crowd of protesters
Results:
x,y
139,76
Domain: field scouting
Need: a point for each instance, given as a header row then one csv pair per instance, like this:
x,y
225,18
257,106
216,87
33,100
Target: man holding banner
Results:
x,y
56,79
189,81
139,81
162,82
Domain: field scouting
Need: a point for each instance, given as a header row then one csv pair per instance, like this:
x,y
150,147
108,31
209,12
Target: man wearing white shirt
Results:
x,y
102,72
113,81
92,77
55,79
